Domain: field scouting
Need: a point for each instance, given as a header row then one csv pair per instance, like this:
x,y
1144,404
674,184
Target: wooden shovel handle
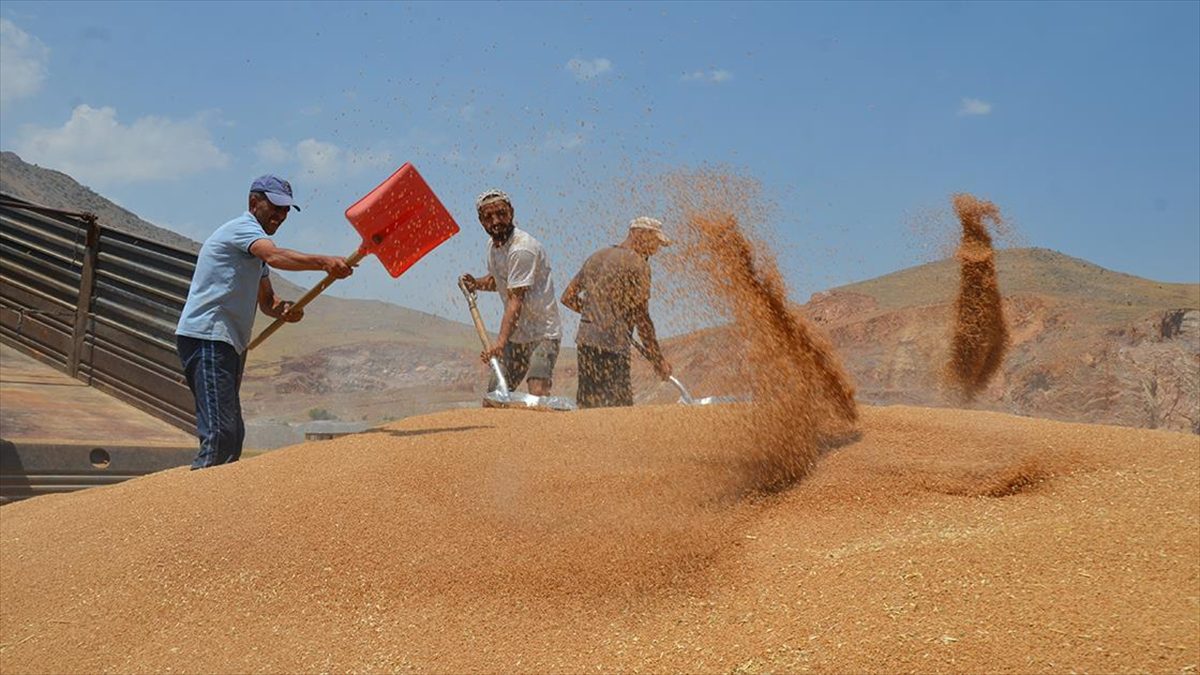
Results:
x,y
304,300
470,296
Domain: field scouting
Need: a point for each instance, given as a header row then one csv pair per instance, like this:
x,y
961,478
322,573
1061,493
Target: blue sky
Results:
x,y
1080,120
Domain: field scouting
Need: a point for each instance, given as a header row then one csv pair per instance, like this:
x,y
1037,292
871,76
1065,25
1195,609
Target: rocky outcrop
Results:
x,y
373,367
1115,350
1180,324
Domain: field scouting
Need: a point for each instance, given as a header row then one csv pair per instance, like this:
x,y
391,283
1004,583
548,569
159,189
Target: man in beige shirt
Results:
x,y
611,292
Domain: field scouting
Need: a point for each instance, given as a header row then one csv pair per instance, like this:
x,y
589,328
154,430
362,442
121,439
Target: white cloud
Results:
x,y
320,161
272,151
94,147
22,63
974,106
588,70
715,76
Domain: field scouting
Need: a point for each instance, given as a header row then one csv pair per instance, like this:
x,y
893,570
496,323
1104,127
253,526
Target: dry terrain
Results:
x,y
1087,344
626,540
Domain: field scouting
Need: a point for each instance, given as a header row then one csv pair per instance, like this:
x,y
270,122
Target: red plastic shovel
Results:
x,y
400,221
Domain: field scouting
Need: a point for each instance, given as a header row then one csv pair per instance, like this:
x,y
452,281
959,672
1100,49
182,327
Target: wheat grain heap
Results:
x,y
616,540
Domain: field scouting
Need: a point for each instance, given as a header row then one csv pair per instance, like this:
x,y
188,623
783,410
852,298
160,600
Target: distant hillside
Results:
x,y
1111,295
58,190
1088,344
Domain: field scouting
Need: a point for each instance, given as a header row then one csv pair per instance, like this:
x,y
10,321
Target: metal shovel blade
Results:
x,y
494,399
685,397
501,397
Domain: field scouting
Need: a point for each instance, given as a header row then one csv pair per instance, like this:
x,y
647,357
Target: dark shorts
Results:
x,y
603,378
534,360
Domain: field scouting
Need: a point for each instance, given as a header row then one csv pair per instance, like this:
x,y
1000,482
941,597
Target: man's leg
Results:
x,y
620,389
240,428
603,379
212,368
541,366
189,358
516,362
591,378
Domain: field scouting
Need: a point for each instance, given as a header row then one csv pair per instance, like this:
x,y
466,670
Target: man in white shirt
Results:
x,y
530,332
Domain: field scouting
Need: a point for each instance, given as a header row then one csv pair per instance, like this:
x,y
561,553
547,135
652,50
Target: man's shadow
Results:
x,y
404,433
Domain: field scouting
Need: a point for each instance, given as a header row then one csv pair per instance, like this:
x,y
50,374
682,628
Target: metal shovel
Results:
x,y
685,397
502,396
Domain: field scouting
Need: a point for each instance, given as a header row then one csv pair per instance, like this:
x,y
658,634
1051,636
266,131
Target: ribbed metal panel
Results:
x,y
123,343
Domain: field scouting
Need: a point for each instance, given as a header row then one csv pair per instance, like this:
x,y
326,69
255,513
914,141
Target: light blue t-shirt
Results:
x,y
224,292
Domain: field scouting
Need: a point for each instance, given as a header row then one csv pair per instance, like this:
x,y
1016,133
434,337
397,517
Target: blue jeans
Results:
x,y
214,374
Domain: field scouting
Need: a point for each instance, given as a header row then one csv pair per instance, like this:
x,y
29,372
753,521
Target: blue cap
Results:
x,y
278,190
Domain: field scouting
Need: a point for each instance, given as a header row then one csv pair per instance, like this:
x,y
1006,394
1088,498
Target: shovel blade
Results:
x,y
401,220
712,400
495,399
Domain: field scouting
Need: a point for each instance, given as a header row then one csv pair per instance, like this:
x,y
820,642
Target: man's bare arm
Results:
x,y
295,261
274,306
571,298
645,331
512,313
479,284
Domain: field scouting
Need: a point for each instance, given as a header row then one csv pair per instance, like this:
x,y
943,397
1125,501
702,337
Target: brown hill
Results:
x,y
58,190
363,359
620,540
1088,344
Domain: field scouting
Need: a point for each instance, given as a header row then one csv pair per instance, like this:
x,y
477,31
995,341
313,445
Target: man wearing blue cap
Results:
x,y
232,276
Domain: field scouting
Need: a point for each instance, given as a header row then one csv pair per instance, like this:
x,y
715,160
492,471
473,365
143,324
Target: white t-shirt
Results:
x,y
521,263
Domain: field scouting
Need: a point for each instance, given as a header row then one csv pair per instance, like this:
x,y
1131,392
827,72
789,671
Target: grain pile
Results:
x,y
980,336
505,541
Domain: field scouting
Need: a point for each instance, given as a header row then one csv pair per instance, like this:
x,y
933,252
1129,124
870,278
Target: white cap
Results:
x,y
491,196
655,226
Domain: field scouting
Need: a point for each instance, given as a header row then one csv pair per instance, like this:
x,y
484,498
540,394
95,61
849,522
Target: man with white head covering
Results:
x,y
612,294
530,332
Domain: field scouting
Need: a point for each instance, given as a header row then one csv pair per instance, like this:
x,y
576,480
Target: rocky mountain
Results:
x,y
1088,344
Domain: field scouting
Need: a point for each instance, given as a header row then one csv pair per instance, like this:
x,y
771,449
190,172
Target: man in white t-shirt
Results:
x,y
530,332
